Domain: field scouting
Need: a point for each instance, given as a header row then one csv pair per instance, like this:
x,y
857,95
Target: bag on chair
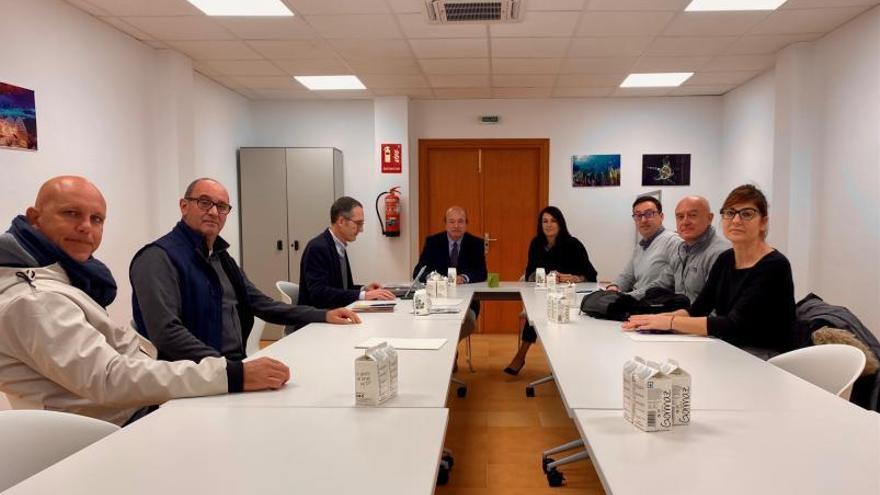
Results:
x,y
608,305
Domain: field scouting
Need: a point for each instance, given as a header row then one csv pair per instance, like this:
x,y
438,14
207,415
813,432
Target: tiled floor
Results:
x,y
497,434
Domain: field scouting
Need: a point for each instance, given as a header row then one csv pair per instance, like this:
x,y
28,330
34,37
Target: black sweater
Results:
x,y
749,307
566,256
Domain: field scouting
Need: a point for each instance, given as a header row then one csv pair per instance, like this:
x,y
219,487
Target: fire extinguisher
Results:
x,y
391,225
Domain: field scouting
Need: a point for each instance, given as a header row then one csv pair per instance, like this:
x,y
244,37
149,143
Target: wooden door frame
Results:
x,y
542,144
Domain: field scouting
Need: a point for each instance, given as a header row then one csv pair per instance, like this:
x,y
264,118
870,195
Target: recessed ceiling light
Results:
x,y
242,7
327,83
655,80
722,5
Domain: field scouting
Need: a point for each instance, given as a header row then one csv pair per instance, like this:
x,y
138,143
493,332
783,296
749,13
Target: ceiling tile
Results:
x,y
462,92
415,26
623,23
204,68
455,65
344,95
284,50
720,78
216,50
740,63
640,92
612,46
268,82
126,28
394,81
647,5
582,92
537,24
687,45
146,8
180,28
311,7
714,23
156,44
226,82
806,21
313,67
459,81
362,26
526,65
88,7
244,68
283,94
521,92
372,49
529,47
555,5
268,28
404,66
701,90
768,43
407,6
818,4
670,64
601,65
523,80
452,48
411,92
589,80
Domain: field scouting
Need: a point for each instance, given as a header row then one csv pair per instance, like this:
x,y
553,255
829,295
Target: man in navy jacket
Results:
x,y
325,279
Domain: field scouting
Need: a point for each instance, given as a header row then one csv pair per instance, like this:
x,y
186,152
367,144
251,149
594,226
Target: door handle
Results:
x,y
486,240
295,245
279,245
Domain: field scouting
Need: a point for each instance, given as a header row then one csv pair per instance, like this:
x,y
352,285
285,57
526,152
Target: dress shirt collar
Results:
x,y
645,243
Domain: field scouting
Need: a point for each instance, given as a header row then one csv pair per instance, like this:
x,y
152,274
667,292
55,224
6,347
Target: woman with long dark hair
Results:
x,y
553,249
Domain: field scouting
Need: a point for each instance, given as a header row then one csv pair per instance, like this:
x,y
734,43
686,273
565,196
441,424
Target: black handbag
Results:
x,y
608,305
659,300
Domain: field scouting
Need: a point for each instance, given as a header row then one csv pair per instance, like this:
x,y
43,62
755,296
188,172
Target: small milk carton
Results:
x,y
451,274
551,280
373,375
570,296
442,288
629,368
551,308
421,303
540,278
431,284
652,398
681,392
391,353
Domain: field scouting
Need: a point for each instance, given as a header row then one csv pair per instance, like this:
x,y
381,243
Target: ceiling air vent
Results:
x,y
457,11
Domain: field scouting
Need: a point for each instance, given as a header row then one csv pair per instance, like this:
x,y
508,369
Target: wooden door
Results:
x,y
503,184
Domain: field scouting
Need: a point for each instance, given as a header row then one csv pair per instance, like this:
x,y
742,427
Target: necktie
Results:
x,y
343,264
453,256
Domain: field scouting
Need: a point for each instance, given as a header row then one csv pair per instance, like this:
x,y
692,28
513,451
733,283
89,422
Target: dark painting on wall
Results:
x,y
595,170
18,118
666,170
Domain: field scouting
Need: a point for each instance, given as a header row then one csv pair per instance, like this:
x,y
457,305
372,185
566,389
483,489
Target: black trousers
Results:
x,y
528,334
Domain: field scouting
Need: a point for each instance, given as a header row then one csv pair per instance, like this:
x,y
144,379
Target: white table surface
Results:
x,y
321,359
831,449
257,451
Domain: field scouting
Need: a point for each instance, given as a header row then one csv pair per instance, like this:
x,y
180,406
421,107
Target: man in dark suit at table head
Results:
x,y
325,279
455,248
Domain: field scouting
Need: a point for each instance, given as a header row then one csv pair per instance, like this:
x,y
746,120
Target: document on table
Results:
x,y
665,337
373,306
404,343
440,302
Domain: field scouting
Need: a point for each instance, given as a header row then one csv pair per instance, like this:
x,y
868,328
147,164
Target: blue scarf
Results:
x,y
91,276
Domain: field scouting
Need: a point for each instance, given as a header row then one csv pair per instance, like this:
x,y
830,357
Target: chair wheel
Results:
x,y
545,461
530,391
461,391
442,476
555,478
447,458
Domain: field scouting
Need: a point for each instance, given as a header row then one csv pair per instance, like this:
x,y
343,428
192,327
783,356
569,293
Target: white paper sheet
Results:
x,y
439,302
665,337
404,343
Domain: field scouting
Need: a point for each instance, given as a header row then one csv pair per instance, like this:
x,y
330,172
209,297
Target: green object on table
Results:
x,y
493,280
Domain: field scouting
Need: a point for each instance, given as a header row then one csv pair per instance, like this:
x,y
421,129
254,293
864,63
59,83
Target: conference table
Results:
x,y
755,428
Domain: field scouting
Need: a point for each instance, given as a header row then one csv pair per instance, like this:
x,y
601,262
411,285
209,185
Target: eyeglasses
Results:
x,y
359,223
647,215
205,203
745,214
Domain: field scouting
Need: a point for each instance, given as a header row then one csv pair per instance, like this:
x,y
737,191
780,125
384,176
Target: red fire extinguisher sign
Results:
x,y
392,162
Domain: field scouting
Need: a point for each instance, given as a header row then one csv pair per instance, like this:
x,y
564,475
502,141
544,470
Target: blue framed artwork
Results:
x,y
18,118
595,170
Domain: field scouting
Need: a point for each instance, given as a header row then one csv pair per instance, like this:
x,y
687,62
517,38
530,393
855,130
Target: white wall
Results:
x,y
748,135
599,217
97,112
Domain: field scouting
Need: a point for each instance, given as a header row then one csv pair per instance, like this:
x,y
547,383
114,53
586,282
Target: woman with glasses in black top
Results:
x,y
553,249
748,299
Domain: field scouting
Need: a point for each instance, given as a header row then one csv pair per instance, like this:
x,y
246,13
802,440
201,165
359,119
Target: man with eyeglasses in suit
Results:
x,y
189,296
653,253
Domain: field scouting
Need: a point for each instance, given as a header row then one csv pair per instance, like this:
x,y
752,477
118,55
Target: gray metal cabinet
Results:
x,y
285,196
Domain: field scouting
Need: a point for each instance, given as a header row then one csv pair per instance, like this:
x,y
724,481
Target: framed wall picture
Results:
x,y
595,170
666,170
18,118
